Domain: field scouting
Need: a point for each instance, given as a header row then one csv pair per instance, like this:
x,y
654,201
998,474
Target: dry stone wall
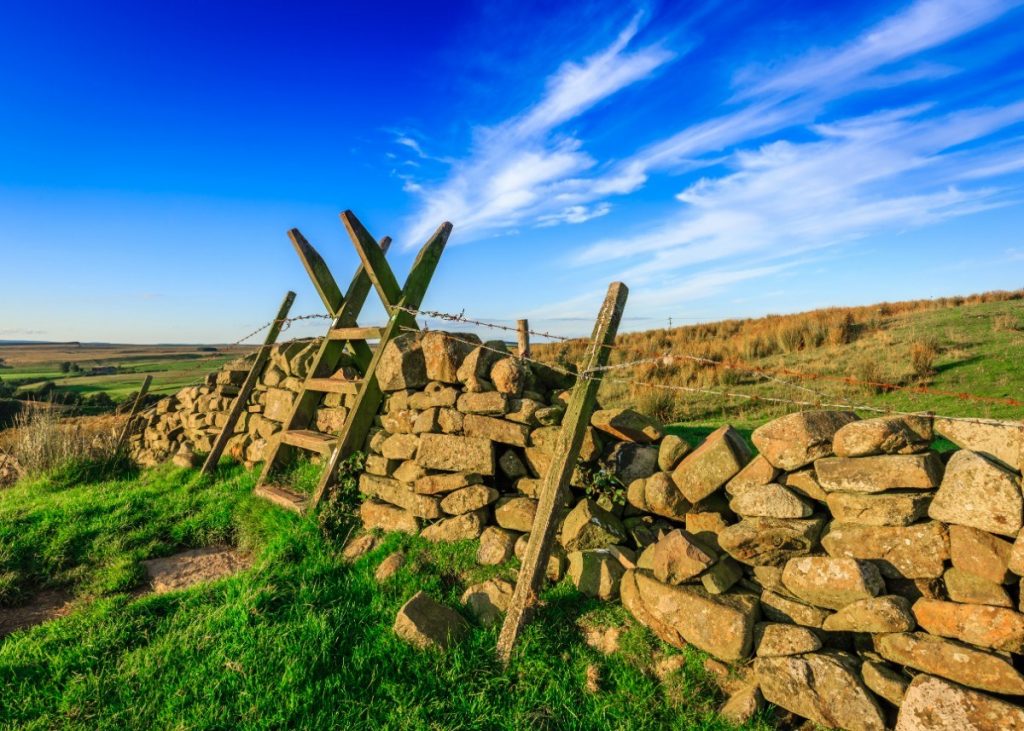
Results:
x,y
184,425
850,574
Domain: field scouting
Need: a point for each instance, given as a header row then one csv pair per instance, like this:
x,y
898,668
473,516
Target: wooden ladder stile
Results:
x,y
365,394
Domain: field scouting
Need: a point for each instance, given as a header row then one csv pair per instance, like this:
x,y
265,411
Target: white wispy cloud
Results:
x,y
925,24
524,169
785,184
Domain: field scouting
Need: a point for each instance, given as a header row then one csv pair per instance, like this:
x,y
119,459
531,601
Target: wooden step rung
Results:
x,y
354,333
282,496
333,385
314,441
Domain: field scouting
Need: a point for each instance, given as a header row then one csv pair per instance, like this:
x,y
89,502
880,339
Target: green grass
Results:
x,y
168,377
300,640
979,353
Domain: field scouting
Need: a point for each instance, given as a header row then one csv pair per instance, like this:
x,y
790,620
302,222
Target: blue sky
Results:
x,y
722,159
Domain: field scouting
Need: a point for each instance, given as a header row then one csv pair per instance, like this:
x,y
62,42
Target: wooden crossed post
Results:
x,y
567,450
399,302
136,406
242,399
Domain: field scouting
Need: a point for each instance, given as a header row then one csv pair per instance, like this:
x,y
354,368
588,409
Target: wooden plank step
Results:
x,y
332,385
354,333
283,497
314,441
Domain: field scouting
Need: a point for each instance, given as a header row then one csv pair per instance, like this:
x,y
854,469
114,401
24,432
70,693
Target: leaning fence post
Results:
x,y
523,328
134,412
262,355
567,449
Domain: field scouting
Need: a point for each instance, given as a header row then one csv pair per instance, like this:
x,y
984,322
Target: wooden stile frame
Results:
x,y
567,450
374,272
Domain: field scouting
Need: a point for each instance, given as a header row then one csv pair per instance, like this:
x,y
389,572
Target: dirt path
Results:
x,y
45,606
172,573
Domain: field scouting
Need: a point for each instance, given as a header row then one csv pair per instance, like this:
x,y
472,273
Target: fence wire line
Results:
x,y
765,373
822,399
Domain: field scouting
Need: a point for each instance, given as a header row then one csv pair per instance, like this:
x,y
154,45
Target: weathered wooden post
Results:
x,y
523,327
567,450
134,412
242,399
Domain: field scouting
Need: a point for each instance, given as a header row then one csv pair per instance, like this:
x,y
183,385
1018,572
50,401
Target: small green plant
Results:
x,y
338,510
601,485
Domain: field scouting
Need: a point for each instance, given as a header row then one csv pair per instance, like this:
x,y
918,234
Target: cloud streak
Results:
x,y
523,168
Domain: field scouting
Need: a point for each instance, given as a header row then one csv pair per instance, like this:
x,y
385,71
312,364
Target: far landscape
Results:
x,y
639,366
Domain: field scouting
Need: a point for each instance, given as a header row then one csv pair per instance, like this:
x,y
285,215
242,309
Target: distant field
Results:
x,y
172,366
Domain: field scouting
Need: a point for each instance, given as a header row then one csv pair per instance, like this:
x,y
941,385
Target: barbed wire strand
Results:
x,y
825,402
822,399
759,371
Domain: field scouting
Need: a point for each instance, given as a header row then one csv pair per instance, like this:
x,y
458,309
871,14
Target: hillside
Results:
x,y
955,356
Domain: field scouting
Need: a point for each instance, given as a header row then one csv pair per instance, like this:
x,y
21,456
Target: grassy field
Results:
x,y
300,640
172,366
972,348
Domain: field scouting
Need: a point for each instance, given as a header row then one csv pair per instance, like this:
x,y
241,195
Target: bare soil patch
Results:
x,y
188,568
44,606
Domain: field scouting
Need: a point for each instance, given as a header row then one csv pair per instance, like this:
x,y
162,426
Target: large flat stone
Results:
x,y
884,435
911,552
992,627
887,508
952,660
497,430
468,499
770,501
877,614
999,440
781,608
721,625
831,582
396,493
627,425
387,517
822,687
770,541
451,453
717,460
463,527
968,588
934,704
881,473
979,493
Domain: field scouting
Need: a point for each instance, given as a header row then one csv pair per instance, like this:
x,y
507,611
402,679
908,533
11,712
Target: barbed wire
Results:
x,y
769,374
286,322
819,404
821,400
461,317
